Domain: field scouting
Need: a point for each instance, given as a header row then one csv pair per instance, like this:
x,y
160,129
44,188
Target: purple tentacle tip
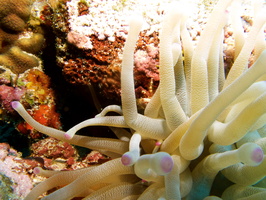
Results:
x,y
167,164
257,155
14,104
126,160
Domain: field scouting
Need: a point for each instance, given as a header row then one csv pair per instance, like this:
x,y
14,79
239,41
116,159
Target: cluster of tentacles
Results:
x,y
197,124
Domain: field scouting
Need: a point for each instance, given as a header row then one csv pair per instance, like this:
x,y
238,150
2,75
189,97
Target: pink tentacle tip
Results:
x,y
67,136
126,160
167,164
257,155
15,104
36,170
158,144
143,181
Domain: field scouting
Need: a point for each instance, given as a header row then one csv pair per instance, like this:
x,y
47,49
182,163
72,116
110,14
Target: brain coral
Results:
x,y
14,15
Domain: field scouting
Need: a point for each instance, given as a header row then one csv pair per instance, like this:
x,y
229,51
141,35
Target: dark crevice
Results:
x,y
74,102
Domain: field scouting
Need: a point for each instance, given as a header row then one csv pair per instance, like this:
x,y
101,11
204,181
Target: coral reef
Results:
x,y
199,125
17,44
39,95
90,43
22,78
93,56
33,88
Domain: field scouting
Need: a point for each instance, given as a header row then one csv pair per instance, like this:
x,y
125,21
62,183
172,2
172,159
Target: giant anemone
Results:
x,y
199,123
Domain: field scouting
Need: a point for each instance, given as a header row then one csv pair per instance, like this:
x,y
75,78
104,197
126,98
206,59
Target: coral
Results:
x,y
89,44
33,88
32,45
56,155
40,96
197,124
52,148
6,191
44,114
146,71
101,67
8,94
98,67
38,85
13,15
18,183
14,48
94,56
18,61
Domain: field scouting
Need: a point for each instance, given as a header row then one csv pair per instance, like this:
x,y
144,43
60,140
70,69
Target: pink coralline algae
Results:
x,y
146,68
8,94
15,171
78,40
53,148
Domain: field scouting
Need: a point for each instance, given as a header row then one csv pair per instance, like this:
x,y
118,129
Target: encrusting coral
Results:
x,y
197,123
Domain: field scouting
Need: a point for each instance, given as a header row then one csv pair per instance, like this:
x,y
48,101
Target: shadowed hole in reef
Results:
x,y
8,134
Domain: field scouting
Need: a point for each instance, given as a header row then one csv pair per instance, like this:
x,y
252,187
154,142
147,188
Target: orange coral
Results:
x,y
38,86
38,91
44,114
